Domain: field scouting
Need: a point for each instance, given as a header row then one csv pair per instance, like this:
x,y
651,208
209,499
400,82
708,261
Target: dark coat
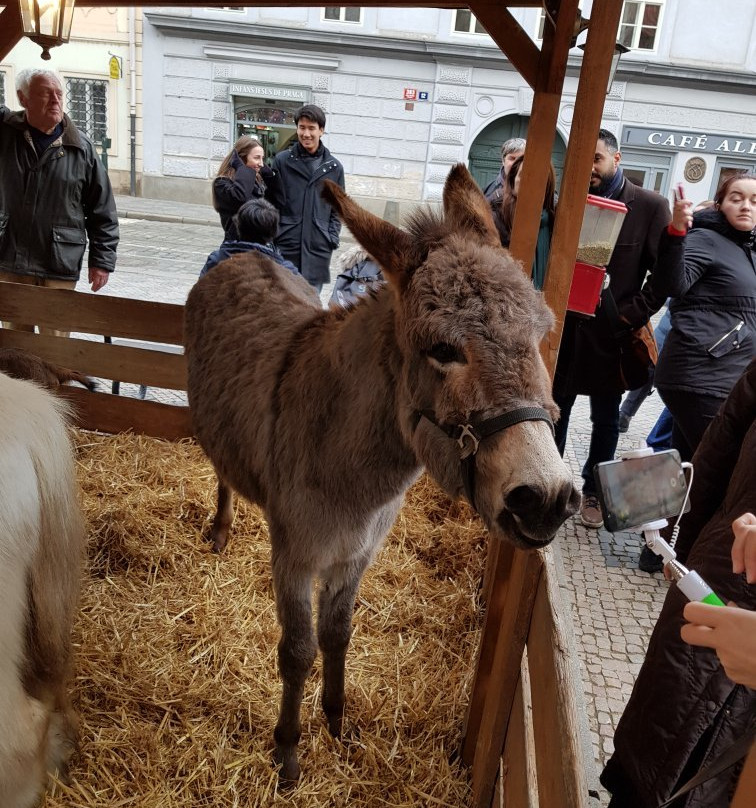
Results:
x,y
682,695
589,355
229,248
229,194
711,276
50,205
310,227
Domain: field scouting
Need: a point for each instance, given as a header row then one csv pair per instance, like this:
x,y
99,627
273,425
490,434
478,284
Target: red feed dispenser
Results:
x,y
602,222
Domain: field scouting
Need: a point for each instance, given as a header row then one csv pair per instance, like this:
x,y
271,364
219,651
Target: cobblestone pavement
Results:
x,y
614,605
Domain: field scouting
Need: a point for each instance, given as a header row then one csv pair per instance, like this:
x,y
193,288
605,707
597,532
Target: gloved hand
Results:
x,y
236,161
267,173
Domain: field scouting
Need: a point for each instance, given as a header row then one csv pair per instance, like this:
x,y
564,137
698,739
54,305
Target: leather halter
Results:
x,y
470,435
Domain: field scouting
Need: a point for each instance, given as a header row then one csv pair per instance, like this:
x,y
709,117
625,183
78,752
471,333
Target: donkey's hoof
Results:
x,y
290,771
218,540
335,724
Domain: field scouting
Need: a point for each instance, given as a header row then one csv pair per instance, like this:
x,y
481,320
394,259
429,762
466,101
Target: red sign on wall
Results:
x,y
410,94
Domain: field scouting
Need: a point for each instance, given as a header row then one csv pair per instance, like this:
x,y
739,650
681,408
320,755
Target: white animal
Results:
x,y
41,541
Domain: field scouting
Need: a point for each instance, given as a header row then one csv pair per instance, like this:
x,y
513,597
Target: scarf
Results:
x,y
611,189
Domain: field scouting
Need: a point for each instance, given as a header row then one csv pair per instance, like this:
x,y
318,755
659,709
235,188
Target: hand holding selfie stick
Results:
x,y
689,582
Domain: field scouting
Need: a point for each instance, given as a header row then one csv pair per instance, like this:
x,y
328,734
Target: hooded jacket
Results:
x,y
684,710
50,205
710,275
309,228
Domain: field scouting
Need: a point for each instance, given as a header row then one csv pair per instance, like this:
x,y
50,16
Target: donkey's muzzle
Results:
x,y
538,513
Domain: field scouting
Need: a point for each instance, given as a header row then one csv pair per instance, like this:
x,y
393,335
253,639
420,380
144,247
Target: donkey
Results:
x,y
325,418
41,544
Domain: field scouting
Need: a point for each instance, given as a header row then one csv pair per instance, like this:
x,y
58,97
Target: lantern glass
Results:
x,y
47,22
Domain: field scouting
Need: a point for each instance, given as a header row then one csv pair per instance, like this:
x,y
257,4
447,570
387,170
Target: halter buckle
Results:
x,y
468,431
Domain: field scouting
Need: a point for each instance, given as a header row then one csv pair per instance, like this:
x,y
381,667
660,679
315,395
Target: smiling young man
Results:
x,y
55,196
309,229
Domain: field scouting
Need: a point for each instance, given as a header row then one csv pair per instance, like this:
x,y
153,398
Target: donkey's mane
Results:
x,y
428,229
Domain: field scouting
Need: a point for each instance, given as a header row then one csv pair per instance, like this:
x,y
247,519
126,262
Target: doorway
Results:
x,y
485,152
271,122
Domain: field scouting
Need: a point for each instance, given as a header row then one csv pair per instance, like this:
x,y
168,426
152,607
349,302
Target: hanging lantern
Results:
x,y
47,22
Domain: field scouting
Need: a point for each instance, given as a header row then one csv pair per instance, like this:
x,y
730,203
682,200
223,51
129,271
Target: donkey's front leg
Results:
x,y
224,515
296,653
335,610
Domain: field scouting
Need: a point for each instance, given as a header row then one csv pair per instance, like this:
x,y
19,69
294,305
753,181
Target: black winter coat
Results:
x,y
683,700
50,205
589,355
309,229
229,194
711,276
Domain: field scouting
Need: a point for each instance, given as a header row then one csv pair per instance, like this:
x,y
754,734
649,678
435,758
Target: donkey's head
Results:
x,y
475,395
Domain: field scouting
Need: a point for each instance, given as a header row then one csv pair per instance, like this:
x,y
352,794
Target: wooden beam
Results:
x,y
586,121
541,131
10,33
506,636
507,33
559,758
68,310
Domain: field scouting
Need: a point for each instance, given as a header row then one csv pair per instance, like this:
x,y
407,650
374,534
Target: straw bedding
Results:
x,y
176,677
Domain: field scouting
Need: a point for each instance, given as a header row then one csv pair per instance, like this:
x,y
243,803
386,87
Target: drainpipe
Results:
x,y
132,101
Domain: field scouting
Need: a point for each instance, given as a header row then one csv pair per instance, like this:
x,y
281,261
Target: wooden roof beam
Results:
x,y
507,33
10,29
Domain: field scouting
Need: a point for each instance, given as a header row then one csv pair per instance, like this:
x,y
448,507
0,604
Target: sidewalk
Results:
x,y
614,605
162,210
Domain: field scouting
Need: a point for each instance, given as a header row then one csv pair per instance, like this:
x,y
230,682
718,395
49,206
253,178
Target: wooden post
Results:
x,y
586,121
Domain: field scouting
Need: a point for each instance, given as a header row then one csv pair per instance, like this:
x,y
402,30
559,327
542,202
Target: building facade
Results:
x,y
101,72
407,92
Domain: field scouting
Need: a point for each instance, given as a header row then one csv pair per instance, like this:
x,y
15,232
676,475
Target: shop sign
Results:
x,y
270,91
688,141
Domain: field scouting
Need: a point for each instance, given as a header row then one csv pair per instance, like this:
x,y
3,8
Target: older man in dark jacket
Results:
x,y
309,229
54,194
589,354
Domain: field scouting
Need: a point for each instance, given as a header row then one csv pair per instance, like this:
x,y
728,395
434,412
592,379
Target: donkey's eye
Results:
x,y
444,353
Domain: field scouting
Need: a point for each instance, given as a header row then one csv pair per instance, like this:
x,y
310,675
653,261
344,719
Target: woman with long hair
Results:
x,y
242,176
503,213
709,272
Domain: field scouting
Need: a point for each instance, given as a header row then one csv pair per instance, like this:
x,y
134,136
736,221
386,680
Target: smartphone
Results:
x,y
679,192
641,489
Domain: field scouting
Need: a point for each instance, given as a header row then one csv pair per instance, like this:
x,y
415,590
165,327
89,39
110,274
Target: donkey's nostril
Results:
x,y
524,500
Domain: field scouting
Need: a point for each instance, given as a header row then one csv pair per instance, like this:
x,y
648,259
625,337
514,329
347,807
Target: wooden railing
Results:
x,y
155,358
524,698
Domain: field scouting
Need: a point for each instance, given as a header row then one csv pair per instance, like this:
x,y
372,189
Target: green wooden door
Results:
x,y
485,152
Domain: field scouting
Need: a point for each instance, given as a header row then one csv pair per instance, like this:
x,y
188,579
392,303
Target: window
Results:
x,y
88,108
342,14
639,24
228,8
2,89
465,22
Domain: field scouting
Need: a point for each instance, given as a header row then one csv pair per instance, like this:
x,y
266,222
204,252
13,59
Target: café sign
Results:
x,y
688,141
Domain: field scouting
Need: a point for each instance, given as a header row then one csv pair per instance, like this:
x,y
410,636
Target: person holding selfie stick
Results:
x,y
707,265
685,710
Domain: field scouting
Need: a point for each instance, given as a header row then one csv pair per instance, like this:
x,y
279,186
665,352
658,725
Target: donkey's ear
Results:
x,y
466,208
390,246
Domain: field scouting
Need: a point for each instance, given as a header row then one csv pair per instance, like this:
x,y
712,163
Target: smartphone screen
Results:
x,y
640,489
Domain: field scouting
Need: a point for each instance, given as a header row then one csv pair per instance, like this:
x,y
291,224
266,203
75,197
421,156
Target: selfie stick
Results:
x,y
689,582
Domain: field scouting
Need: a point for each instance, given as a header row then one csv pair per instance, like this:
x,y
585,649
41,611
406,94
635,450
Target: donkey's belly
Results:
x,y
240,321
